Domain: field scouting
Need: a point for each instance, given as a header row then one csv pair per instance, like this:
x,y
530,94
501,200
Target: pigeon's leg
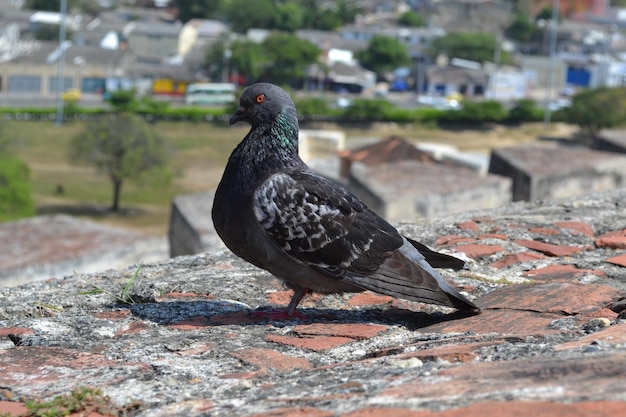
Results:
x,y
298,295
290,312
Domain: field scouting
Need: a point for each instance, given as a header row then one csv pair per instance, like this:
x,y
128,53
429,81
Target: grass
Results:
x,y
124,296
82,400
198,153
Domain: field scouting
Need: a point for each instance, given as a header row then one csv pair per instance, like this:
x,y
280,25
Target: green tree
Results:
x,y
289,17
384,53
411,19
325,15
289,56
197,9
596,109
247,14
478,47
521,29
126,148
250,59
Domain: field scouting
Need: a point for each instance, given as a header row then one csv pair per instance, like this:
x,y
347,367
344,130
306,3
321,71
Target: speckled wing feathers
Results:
x,y
320,224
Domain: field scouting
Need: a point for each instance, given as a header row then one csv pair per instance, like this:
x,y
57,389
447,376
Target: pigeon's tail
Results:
x,y
437,259
406,274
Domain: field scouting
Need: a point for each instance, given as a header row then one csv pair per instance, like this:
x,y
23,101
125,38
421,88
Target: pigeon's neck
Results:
x,y
269,147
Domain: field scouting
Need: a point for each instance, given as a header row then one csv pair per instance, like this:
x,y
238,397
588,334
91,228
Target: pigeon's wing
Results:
x,y
322,225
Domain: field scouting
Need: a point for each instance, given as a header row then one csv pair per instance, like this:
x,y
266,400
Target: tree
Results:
x,y
197,9
289,17
247,14
477,47
124,149
596,109
521,29
289,56
383,54
325,15
250,59
411,19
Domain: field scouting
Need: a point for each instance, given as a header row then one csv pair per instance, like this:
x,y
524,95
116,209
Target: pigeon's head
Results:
x,y
263,102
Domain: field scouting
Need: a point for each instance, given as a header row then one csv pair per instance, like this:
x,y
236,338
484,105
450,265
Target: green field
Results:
x,y
198,153
197,156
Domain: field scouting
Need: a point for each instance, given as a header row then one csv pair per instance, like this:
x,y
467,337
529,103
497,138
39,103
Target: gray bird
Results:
x,y
273,211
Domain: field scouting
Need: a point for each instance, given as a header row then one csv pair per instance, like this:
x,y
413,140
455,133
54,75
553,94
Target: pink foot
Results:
x,y
279,315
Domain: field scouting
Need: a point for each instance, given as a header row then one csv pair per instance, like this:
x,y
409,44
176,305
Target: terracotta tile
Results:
x,y
368,298
388,412
478,251
559,379
612,242
134,327
295,412
552,297
560,272
468,225
354,331
64,369
618,260
486,236
12,408
453,240
548,248
268,359
516,259
317,343
509,322
544,231
6,331
508,408
603,312
615,334
578,226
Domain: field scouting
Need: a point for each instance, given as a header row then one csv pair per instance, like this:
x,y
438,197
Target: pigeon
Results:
x,y
310,232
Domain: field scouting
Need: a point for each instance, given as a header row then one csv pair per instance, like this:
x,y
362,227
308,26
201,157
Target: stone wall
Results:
x,y
191,228
406,190
540,172
551,339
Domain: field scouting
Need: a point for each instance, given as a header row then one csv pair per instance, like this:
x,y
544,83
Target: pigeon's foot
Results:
x,y
279,315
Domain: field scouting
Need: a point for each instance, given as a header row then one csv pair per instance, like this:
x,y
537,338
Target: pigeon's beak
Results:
x,y
238,115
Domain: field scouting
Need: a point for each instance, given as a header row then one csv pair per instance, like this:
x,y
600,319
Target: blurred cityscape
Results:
x,y
112,45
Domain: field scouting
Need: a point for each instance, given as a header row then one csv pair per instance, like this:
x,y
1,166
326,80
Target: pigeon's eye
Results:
x,y
260,98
